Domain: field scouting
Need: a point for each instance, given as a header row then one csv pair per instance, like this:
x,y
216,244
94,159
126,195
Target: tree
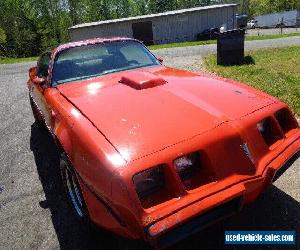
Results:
x,y
2,36
156,6
28,27
2,41
260,7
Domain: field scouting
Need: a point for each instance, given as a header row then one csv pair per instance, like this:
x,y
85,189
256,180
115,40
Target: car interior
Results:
x,y
96,61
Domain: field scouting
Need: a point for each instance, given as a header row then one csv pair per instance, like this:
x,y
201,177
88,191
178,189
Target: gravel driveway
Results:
x,y
34,213
192,59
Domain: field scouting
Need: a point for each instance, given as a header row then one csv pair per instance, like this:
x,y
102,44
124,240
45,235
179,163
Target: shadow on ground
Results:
x,y
274,210
247,60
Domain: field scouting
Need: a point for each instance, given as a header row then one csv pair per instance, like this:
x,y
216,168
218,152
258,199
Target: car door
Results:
x,y
37,90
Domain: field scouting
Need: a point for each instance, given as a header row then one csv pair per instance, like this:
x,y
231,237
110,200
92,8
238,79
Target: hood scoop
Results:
x,y
141,80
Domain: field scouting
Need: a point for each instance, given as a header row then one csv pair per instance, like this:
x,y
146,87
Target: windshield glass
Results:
x,y
98,59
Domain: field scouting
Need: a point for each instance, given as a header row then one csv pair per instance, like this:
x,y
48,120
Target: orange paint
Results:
x,y
111,128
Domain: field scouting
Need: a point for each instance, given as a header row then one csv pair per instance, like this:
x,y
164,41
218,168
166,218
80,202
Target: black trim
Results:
x,y
108,208
198,223
42,116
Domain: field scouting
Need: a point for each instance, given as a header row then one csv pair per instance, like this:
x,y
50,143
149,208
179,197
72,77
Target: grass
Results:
x,y
8,60
196,43
275,71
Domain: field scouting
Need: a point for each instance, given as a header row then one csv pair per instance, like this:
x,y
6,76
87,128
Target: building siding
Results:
x,y
166,29
290,19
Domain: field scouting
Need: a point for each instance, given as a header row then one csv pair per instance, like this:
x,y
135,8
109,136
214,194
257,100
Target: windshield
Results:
x,y
98,59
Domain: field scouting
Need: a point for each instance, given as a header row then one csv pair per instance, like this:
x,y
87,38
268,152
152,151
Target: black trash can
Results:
x,y
231,46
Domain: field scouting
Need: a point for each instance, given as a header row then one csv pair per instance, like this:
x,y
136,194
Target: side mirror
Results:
x,y
32,73
34,78
160,59
39,81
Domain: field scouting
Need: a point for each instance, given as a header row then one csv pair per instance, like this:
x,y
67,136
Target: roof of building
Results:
x,y
174,12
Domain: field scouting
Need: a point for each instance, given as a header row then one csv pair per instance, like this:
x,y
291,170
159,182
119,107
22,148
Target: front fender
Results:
x,y
94,159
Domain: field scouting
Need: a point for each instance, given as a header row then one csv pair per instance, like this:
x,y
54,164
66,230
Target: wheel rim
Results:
x,y
74,192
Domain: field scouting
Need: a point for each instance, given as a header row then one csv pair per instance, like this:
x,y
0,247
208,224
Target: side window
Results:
x,y
43,64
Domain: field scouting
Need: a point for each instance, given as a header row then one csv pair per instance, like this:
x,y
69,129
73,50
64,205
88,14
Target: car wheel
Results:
x,y
72,189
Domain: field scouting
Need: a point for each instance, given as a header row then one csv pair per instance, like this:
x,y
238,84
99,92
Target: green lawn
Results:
x,y
6,60
275,71
196,43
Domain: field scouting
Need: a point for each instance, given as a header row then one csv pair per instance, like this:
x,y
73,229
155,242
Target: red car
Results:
x,y
155,153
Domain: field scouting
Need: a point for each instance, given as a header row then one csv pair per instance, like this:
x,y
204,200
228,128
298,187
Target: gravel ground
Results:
x,y
34,213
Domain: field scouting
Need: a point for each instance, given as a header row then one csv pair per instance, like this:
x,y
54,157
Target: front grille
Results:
x,y
199,222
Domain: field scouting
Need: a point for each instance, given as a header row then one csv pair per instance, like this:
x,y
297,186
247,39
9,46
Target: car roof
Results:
x,y
92,41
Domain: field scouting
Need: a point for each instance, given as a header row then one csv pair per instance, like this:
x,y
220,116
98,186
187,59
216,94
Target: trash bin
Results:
x,y
230,48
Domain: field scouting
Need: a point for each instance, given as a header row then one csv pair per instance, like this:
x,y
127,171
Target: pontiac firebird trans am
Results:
x,y
155,153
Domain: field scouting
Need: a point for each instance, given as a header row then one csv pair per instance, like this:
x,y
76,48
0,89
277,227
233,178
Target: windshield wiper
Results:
x,y
77,78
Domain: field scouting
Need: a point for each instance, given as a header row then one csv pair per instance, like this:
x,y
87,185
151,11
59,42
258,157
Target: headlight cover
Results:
x,y
269,131
286,120
149,181
187,165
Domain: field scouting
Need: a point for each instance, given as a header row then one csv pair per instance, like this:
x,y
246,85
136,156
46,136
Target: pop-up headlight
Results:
x,y
269,131
149,181
187,165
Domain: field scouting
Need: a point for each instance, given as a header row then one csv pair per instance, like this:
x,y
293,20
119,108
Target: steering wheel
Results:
x,y
133,62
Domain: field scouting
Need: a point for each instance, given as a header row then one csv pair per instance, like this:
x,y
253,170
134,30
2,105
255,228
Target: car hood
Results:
x,y
141,122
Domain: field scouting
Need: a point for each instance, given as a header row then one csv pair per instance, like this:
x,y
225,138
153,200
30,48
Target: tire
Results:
x,y
73,190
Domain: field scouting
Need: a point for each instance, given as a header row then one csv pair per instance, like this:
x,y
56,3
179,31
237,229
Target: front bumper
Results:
x,y
221,204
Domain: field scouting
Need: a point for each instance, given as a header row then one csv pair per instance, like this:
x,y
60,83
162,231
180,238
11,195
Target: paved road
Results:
x,y
34,213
